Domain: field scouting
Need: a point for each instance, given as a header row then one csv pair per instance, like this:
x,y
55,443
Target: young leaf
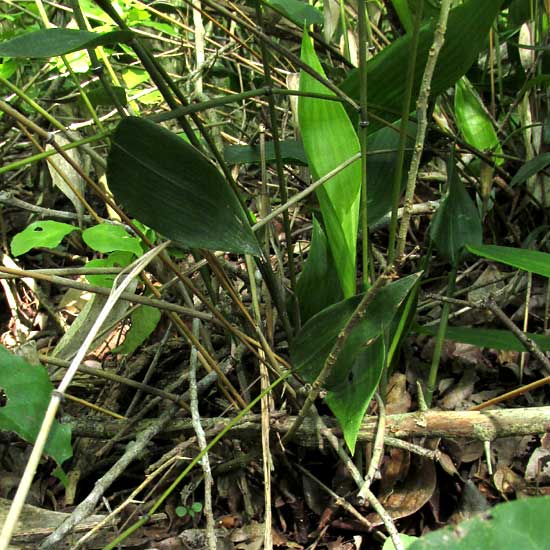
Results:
x,y
473,121
314,342
528,260
106,237
28,390
144,321
52,42
456,222
171,187
317,287
467,30
330,139
349,403
46,234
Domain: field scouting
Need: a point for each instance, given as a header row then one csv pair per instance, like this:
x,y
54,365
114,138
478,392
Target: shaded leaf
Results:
x,y
46,233
349,404
530,168
456,222
52,42
467,30
144,321
318,286
330,139
174,189
487,337
297,11
314,342
522,525
28,390
292,152
528,260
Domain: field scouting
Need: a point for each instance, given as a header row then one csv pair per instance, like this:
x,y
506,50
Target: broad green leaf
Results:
x,y
528,260
381,165
349,403
530,168
28,390
473,121
174,189
292,152
466,36
456,222
106,237
297,11
46,234
116,259
52,42
99,97
403,11
406,540
521,525
144,321
314,342
330,139
487,337
317,287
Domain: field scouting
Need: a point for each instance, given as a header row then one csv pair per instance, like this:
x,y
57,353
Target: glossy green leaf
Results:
x,y
297,11
466,36
473,120
521,525
403,11
528,260
106,237
349,403
174,189
487,337
115,259
27,390
330,139
292,152
44,233
143,320
318,286
314,342
456,222
52,42
530,168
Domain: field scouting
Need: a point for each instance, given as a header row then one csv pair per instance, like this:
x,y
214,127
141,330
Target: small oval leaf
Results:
x,y
44,233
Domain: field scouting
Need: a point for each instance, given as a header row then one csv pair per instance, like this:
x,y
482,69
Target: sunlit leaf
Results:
x,y
330,139
143,322
106,237
44,233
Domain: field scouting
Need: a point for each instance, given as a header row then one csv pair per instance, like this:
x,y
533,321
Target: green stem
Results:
x,y
432,377
363,136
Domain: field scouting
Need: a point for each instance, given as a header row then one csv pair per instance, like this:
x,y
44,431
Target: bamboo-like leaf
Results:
x,y
314,342
52,42
330,139
528,260
530,168
456,222
466,35
171,187
473,121
349,404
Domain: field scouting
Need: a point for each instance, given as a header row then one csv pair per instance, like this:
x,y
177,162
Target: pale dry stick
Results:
x,y
523,358
198,31
201,439
422,116
57,395
378,448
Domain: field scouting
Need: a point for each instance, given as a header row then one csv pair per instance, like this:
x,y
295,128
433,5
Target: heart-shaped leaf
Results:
x,y
43,233
173,188
52,42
